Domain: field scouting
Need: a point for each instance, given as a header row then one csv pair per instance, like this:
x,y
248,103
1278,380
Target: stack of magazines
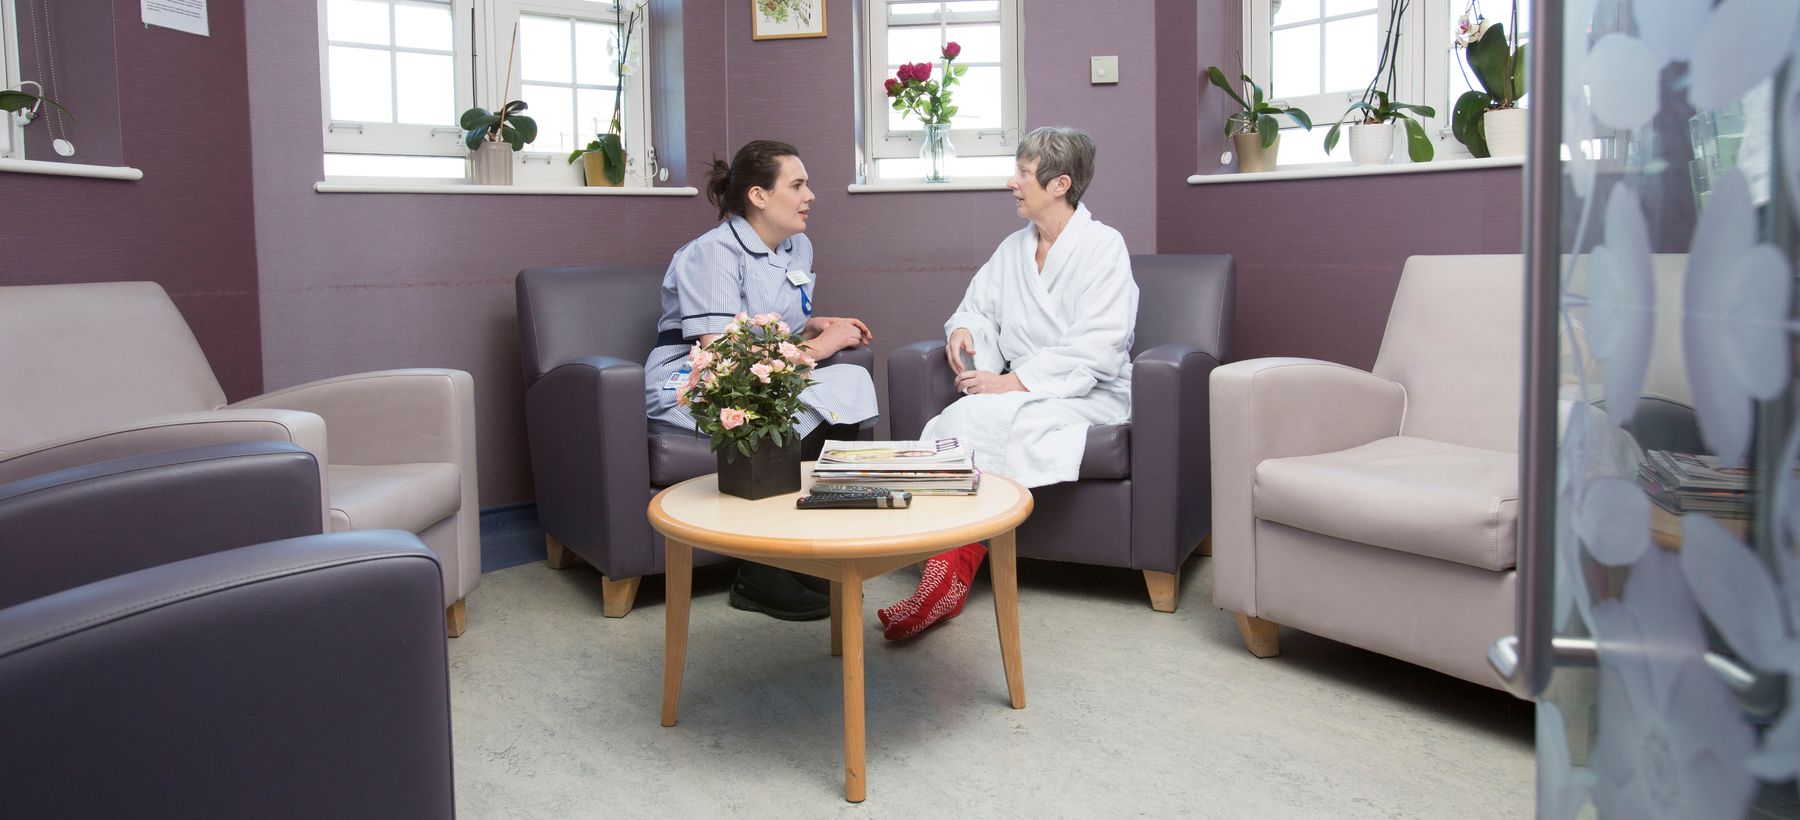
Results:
x,y
1684,483
941,467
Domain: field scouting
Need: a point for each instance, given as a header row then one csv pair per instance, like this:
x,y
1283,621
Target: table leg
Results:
x,y
837,618
855,784
1003,564
679,584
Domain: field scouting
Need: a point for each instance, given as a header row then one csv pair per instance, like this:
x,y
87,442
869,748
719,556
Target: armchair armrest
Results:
x,y
79,525
1274,408
860,356
919,386
590,461
389,416
174,432
229,668
1171,464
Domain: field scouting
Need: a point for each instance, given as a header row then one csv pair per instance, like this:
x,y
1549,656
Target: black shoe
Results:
x,y
777,593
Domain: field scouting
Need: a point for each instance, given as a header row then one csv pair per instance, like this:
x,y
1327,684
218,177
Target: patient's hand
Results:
x,y
961,345
982,381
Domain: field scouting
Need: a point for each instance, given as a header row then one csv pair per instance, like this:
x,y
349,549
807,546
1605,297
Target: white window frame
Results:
x,y
479,74
1422,76
879,142
11,132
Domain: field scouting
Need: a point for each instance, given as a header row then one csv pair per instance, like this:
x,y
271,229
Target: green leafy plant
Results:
x,y
746,385
612,142
1377,106
1499,65
507,125
14,100
1258,116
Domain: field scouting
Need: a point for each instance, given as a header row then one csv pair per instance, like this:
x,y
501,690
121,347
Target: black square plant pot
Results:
x,y
768,470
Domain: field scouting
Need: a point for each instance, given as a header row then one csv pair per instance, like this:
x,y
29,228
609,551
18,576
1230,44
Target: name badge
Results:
x,y
799,278
677,378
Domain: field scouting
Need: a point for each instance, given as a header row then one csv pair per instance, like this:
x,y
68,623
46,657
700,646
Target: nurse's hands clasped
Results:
x,y
826,335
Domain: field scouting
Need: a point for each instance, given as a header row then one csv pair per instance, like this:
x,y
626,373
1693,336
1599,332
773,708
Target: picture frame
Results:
x,y
786,19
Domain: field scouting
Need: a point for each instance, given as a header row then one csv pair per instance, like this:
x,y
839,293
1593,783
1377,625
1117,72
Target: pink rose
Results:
x,y
762,319
700,357
761,371
731,418
681,394
951,51
789,351
806,360
783,329
776,365
694,377
904,73
922,72
893,86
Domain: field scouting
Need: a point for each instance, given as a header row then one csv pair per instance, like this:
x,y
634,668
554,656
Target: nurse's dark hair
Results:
x,y
756,165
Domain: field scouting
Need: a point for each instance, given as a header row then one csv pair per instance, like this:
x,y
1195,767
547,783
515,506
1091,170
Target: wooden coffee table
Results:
x,y
844,547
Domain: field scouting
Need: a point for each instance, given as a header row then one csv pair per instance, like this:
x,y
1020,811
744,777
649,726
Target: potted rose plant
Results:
x,y
1254,131
1489,120
914,93
603,160
1372,135
743,391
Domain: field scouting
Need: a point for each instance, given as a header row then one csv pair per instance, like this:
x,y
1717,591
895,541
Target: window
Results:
x,y
989,99
1320,54
398,73
9,77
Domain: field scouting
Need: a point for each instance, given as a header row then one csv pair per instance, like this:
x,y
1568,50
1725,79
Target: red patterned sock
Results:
x,y
942,591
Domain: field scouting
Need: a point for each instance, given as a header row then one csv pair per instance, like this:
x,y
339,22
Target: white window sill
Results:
x,y
1346,170
466,188
914,187
69,169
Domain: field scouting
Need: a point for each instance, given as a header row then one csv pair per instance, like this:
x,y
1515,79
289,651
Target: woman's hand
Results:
x,y
962,343
836,335
817,325
981,381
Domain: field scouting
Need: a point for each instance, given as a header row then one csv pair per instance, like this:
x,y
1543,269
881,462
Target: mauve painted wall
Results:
x,y
188,223
356,282
1318,260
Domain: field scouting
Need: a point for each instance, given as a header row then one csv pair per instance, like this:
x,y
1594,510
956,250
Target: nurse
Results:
x,y
759,260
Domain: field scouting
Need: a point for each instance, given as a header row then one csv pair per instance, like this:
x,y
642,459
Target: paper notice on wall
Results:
x,y
181,15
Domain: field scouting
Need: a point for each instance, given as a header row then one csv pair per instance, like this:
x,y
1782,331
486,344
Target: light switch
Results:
x,y
1103,69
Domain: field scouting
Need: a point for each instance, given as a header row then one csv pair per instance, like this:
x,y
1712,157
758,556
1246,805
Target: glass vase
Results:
x,y
937,153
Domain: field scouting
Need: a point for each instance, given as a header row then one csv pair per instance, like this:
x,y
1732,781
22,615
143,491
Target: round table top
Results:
x,y
694,512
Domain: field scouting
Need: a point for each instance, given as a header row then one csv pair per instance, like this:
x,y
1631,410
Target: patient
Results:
x,y
1040,348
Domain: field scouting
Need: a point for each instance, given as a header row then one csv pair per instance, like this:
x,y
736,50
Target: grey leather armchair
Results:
x,y
1141,501
584,333
144,648
94,372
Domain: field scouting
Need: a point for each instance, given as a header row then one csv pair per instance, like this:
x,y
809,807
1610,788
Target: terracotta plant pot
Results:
x,y
768,470
1251,156
493,164
593,165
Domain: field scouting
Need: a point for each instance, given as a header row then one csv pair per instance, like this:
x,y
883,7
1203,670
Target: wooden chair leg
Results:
x,y
617,595
1259,635
1205,547
456,618
557,555
1165,587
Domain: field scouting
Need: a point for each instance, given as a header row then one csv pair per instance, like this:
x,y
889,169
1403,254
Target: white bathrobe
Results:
x,y
1066,332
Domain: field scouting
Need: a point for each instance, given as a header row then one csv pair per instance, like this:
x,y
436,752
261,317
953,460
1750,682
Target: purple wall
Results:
x,y
1318,260
187,224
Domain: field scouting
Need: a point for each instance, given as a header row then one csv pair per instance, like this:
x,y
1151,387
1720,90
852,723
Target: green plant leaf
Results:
x,y
615,161
1217,77
1418,145
1268,129
476,118
473,138
1465,121
1519,63
1487,56
526,127
515,107
1300,117
1422,110
1331,137
961,70
1256,92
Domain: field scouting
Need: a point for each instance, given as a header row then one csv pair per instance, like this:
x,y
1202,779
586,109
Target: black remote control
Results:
x,y
875,500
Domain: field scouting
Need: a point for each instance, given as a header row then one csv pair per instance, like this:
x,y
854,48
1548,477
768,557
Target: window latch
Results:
x,y
335,126
448,130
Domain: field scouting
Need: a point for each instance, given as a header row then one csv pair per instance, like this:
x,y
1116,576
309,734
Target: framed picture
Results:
x,y
786,19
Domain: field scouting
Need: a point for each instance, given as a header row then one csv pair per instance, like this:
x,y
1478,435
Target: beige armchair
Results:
x,y
1380,509
93,372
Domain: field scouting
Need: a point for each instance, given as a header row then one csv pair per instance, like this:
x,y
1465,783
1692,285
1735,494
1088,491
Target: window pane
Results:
x,y
357,21
1303,148
544,50
1351,49
1336,7
373,165
593,111
980,43
361,85
1297,11
1294,56
425,87
914,45
554,109
989,7
595,53
912,169
977,99
422,26
899,9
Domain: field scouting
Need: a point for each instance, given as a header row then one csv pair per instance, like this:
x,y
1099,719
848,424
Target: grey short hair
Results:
x,y
1060,151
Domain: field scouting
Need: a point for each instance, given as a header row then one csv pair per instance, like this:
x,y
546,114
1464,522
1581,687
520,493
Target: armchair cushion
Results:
x,y
1426,497
406,497
1108,452
678,456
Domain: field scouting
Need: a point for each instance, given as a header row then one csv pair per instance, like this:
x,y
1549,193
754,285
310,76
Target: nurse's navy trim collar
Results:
x,y
755,244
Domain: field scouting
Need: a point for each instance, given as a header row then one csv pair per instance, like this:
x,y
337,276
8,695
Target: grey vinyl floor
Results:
x,y
1131,713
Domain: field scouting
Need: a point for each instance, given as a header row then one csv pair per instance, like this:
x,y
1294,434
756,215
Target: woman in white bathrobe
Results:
x,y
758,260
1040,347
